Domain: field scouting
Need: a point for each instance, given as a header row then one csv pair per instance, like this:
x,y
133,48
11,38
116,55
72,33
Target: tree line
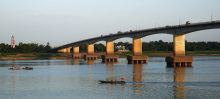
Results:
x,y
97,48
159,46
25,48
146,46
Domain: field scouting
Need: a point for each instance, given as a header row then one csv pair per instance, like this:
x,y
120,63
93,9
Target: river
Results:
x,y
78,79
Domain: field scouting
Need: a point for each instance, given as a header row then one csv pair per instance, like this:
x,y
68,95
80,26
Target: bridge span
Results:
x,y
178,32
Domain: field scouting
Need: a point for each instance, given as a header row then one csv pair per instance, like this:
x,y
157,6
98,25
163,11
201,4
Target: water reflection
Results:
x,y
69,62
109,63
179,76
13,83
110,70
122,61
13,63
76,62
90,62
137,77
153,80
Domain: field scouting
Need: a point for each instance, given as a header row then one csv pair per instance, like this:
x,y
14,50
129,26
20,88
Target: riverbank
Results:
x,y
37,56
33,56
170,53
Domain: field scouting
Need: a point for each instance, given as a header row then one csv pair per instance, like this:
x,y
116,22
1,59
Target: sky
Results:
x,y
64,21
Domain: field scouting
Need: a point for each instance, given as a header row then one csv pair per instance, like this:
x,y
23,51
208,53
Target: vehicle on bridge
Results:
x,y
188,22
119,32
168,26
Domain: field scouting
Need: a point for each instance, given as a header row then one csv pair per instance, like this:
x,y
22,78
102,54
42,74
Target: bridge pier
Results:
x,y
61,50
179,59
76,54
110,57
65,50
90,53
137,57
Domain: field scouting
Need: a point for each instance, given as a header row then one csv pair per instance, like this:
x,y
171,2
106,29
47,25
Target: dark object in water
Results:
x,y
28,68
15,68
112,82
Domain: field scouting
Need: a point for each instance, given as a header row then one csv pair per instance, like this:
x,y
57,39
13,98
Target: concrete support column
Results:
x,y
68,49
62,50
76,50
90,49
179,59
179,45
137,52
110,57
65,50
137,46
90,53
110,48
76,54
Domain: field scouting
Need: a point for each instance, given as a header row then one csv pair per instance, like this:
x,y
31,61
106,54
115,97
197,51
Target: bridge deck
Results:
x,y
149,31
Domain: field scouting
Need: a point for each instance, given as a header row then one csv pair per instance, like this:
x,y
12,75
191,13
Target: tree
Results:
x,y
48,47
99,47
83,48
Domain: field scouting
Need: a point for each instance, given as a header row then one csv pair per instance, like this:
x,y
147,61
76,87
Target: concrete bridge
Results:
x,y
178,32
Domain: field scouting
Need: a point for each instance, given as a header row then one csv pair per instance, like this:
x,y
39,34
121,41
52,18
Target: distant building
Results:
x,y
121,49
12,42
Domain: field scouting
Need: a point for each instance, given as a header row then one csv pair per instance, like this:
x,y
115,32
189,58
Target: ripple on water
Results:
x,y
63,79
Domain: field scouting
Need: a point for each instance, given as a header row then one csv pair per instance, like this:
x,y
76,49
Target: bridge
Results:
x,y
178,32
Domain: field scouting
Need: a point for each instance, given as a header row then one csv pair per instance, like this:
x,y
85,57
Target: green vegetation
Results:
x,y
46,55
154,48
148,53
97,48
168,53
42,55
34,48
83,48
168,46
202,52
30,55
5,54
24,48
160,48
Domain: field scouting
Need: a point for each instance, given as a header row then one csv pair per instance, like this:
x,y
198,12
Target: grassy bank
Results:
x,y
29,55
203,53
170,53
148,53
